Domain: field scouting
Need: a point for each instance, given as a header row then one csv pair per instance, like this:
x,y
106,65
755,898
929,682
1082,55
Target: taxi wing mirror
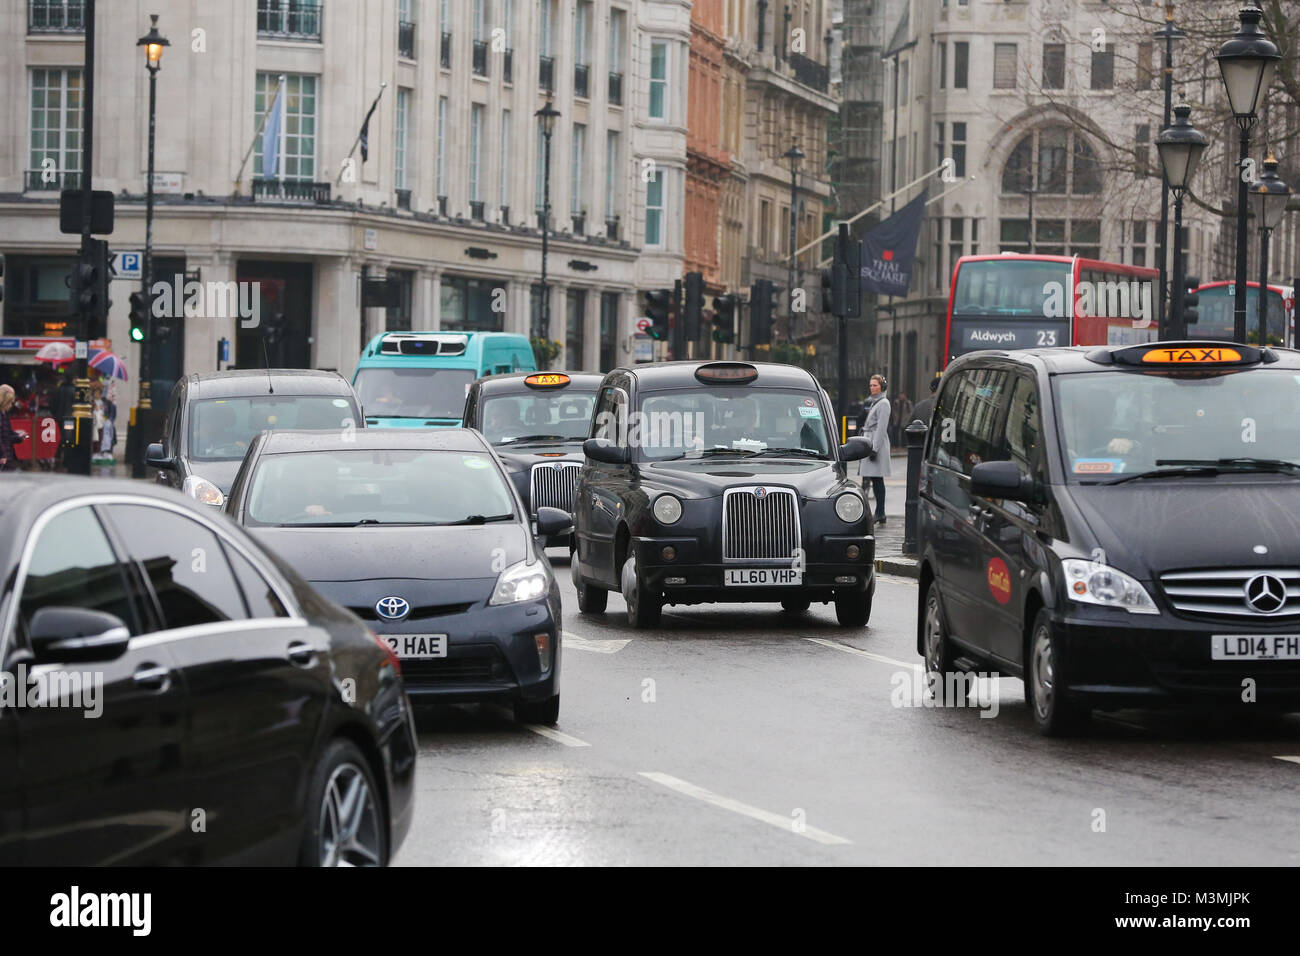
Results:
x,y
553,521
855,449
155,457
1001,479
604,450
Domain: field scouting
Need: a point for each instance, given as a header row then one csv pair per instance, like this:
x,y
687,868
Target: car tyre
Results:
x,y
1054,714
853,608
591,599
345,824
538,712
643,609
940,653
795,605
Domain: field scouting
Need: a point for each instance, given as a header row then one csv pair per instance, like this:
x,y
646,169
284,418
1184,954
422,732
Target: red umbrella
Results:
x,y
56,353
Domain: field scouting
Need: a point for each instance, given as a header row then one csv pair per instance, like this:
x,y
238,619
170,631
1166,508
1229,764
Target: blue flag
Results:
x,y
889,250
271,140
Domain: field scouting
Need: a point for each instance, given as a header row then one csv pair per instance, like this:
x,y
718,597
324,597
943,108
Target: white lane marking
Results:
x,y
599,647
555,735
744,809
1284,757
880,658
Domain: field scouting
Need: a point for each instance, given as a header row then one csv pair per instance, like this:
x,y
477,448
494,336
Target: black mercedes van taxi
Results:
x,y
719,482
1118,526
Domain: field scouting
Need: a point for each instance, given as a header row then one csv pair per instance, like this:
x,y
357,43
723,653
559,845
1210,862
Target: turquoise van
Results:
x,y
420,379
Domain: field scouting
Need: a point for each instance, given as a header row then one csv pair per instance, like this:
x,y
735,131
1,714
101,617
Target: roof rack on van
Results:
x,y
424,343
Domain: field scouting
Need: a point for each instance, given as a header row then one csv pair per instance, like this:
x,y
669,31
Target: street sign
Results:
x,y
101,212
171,183
643,348
642,325
129,265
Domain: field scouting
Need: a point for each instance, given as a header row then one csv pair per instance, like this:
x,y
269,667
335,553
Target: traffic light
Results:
x,y
657,306
846,276
762,295
693,305
1190,298
724,318
828,291
90,280
141,303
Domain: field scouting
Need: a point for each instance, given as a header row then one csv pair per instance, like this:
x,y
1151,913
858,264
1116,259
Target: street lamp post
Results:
x,y
547,114
153,43
1168,33
1269,198
1247,62
794,154
1180,147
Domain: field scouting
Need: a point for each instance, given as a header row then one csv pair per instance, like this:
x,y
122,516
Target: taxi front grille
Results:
x,y
1222,592
553,487
759,524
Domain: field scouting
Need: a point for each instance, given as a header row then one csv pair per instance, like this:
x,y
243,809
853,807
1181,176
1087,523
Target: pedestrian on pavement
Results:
x,y
8,437
874,427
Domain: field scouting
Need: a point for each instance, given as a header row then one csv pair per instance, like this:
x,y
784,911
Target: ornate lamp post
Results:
x,y
794,154
1247,62
547,115
153,43
1268,198
1180,147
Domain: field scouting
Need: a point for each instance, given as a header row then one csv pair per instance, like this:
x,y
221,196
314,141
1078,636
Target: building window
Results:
x,y
1004,66
466,304
475,154
581,42
399,145
291,19
1065,164
943,66
1139,242
658,79
297,159
956,239
575,328
785,231
617,19
960,64
1142,151
611,173
608,330
56,128
939,154
503,193
548,14
406,29
1145,73
654,212
764,225
1103,68
959,150
442,146
904,71
577,182
1053,66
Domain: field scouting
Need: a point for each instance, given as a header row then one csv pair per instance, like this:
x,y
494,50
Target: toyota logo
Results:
x,y
392,608
1265,593
760,493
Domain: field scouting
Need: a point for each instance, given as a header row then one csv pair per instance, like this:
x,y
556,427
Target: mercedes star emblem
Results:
x,y
1265,593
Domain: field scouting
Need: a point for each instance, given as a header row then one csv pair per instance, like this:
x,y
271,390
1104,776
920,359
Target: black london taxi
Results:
x,y
719,482
1118,526
537,422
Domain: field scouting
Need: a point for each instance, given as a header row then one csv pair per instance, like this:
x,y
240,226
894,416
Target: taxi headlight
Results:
x,y
521,582
203,491
667,509
1091,583
849,507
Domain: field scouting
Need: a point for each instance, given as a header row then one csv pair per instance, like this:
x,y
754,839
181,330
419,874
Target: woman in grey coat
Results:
x,y
874,427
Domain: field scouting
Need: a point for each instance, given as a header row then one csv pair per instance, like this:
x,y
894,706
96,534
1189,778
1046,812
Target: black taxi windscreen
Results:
x,y
726,421
548,413
1209,415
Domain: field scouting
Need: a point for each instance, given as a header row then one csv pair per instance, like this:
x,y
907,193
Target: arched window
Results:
x,y
1053,161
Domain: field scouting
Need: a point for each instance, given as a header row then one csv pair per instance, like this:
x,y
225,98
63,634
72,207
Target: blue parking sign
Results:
x,y
128,265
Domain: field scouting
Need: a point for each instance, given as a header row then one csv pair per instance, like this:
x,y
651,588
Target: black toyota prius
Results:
x,y
422,536
719,482
537,422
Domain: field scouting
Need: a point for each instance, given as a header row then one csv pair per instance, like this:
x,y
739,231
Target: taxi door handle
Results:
x,y
152,677
975,511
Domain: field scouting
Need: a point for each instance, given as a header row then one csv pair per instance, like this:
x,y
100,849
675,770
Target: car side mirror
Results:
x,y
72,634
854,449
155,457
604,450
553,521
1001,479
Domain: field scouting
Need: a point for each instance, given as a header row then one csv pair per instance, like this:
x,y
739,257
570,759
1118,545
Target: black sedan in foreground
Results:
x,y
172,693
537,422
421,535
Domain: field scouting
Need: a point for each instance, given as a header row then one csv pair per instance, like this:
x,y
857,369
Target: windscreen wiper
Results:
x,y
516,441
476,519
1182,471
1274,465
806,452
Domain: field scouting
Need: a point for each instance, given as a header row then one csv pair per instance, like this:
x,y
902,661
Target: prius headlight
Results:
x,y
203,491
1091,583
849,507
521,582
667,509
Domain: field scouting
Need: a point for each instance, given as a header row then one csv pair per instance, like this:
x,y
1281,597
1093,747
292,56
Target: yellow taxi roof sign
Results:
x,y
1184,354
1197,355
547,380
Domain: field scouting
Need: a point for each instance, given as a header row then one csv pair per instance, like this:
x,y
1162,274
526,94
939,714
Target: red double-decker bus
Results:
x,y
1216,306
1021,301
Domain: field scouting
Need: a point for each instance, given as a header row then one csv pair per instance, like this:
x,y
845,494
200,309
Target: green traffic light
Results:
x,y
137,334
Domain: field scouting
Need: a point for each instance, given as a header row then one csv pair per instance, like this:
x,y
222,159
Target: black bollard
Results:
x,y
915,447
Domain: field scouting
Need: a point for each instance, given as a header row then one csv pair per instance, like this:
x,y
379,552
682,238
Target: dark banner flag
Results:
x,y
889,250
